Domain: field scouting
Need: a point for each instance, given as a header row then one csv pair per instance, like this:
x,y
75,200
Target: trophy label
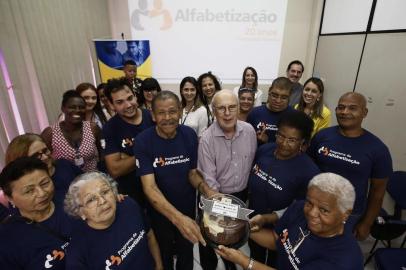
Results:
x,y
226,209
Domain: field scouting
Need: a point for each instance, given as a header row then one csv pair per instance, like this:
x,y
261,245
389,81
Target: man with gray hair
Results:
x,y
226,152
358,155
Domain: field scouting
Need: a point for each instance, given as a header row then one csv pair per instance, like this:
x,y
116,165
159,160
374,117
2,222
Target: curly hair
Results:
x,y
72,201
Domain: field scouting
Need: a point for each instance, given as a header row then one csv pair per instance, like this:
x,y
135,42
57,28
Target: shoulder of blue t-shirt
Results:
x,y
150,132
263,108
116,121
334,131
65,164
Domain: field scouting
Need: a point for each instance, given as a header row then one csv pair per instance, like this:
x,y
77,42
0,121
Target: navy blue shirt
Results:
x,y
124,245
357,159
25,246
274,184
65,172
170,160
119,137
263,118
298,248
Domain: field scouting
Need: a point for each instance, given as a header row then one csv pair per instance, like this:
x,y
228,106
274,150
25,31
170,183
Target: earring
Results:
x,y
344,221
12,204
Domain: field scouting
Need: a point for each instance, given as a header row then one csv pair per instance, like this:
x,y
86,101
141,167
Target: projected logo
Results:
x,y
156,11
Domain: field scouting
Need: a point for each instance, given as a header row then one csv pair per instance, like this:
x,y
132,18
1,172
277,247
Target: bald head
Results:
x,y
356,97
351,110
225,108
224,95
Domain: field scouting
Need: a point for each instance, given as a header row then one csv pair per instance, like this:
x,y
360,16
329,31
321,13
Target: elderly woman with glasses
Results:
x,y
111,234
310,235
281,171
61,171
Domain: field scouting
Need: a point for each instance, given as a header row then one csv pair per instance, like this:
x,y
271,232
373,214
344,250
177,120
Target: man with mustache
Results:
x,y
119,134
294,73
358,155
167,164
226,152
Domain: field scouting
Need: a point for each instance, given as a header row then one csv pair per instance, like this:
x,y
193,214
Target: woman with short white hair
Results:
x,y
310,235
111,234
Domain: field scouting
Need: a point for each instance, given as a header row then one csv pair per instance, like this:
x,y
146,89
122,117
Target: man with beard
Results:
x,y
119,134
358,155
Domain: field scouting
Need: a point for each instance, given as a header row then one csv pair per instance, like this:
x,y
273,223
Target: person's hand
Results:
x,y
189,229
261,135
233,255
120,197
256,223
361,231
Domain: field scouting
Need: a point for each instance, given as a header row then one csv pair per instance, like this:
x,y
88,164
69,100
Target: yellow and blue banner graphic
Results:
x,y
112,54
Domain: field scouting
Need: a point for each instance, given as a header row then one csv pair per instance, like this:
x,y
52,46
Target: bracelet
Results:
x,y
250,264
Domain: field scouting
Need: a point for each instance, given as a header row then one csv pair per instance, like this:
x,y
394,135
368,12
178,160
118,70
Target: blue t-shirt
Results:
x,y
26,246
357,159
298,248
124,245
274,184
261,117
119,137
65,172
170,160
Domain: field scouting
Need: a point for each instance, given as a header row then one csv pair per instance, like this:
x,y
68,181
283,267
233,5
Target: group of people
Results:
x,y
314,189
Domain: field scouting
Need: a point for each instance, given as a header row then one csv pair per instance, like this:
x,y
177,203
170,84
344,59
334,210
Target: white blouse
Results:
x,y
195,119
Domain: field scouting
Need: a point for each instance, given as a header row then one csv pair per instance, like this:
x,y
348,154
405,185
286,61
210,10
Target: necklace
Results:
x,y
187,113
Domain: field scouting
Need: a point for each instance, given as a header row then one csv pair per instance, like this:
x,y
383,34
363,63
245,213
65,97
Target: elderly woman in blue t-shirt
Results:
x,y
310,234
111,234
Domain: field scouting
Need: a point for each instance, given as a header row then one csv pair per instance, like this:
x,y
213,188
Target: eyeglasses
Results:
x,y
223,109
290,141
93,200
38,154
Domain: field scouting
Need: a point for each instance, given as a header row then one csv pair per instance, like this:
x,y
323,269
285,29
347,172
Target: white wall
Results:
x,y
299,41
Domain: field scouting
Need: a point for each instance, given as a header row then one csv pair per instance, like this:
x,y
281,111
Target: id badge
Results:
x,y
79,161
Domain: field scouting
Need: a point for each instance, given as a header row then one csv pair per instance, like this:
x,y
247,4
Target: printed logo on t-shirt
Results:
x,y
166,161
290,247
266,177
56,255
325,151
125,250
262,126
127,142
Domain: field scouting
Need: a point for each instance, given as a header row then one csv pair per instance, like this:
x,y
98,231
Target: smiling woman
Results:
x,y
74,139
94,111
310,235
109,230
311,103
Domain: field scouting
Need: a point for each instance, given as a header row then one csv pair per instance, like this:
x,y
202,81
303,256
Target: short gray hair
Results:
x,y
338,186
72,202
223,92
